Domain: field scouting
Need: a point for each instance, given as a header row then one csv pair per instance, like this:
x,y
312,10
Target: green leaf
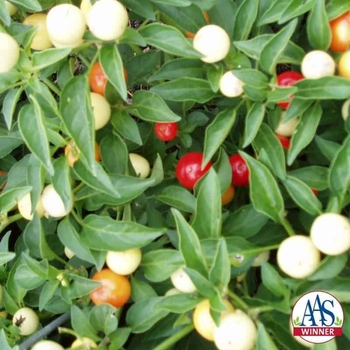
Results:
x,y
112,65
48,57
132,36
77,116
141,316
27,279
339,173
296,8
35,239
244,222
185,89
189,244
104,233
296,108
202,284
143,9
6,19
305,131
179,303
168,39
5,257
275,46
220,273
178,197
207,217
251,77
151,107
102,318
160,264
272,280
31,122
70,238
141,290
318,29
126,126
9,105
10,198
273,12
264,340
223,169
336,8
253,121
81,324
314,176
177,68
47,293
302,195
330,267
267,141
328,148
99,181
326,88
27,5
264,192
216,133
244,19
61,181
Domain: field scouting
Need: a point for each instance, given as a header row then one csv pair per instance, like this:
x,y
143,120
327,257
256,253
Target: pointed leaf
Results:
x,y
104,233
216,133
189,244
112,65
207,217
220,273
253,121
244,19
31,122
264,192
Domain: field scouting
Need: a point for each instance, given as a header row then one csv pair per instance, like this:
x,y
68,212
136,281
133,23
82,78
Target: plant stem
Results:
x,y
237,301
165,345
287,226
52,86
4,223
44,331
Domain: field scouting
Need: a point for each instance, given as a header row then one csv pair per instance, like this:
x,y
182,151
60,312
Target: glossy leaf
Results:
x,y
244,19
267,141
253,122
104,233
151,107
305,131
273,12
296,8
141,316
314,176
326,88
178,197
303,196
71,239
160,264
180,303
9,105
143,9
264,340
77,116
264,192
141,290
126,126
275,46
339,173
207,217
220,273
185,89
216,133
244,222
31,122
28,5
168,39
296,108
330,267
48,57
272,280
328,148
10,198
318,29
112,65
253,48
189,244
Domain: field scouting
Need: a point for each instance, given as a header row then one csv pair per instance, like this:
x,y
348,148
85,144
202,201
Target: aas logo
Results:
x,y
317,317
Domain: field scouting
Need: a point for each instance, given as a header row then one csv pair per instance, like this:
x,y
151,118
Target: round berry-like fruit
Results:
x,y
182,282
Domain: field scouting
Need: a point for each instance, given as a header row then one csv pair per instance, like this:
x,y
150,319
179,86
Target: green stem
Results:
x,y
76,217
144,23
136,49
237,301
85,61
79,187
52,86
166,344
287,226
9,220
254,313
